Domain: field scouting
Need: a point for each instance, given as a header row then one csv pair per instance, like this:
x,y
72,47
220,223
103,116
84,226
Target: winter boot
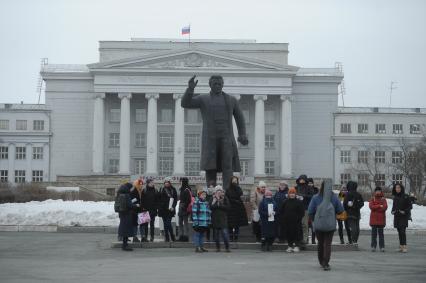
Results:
x,y
203,249
136,240
404,249
198,250
263,246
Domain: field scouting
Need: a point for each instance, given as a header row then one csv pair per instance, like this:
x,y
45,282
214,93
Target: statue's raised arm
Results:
x,y
188,99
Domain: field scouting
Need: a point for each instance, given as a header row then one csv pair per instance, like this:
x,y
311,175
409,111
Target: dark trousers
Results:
x,y
257,231
348,231
168,229
224,154
292,234
402,236
324,246
374,231
354,227
144,229
125,241
216,235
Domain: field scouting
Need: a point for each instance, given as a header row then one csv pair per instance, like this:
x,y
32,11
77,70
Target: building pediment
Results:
x,y
192,58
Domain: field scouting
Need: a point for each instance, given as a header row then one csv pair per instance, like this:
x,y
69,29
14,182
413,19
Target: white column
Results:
x,y
125,133
151,142
29,158
46,173
234,124
98,134
179,138
259,135
12,155
286,151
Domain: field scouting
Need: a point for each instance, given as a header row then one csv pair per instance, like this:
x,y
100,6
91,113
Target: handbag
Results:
x,y
342,216
256,215
144,217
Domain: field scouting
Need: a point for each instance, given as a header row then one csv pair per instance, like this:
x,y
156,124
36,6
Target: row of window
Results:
x,y
37,176
166,141
397,129
192,167
21,125
166,115
378,179
21,152
379,156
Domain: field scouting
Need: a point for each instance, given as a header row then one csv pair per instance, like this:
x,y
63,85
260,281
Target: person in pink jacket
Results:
x,y
378,207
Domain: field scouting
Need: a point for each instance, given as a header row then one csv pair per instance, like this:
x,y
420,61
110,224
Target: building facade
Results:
x,y
24,143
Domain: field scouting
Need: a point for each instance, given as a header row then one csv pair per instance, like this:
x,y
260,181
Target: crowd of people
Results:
x,y
293,215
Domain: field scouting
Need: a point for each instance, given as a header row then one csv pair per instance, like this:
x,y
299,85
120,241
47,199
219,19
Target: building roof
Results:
x,y
65,68
19,106
320,72
389,110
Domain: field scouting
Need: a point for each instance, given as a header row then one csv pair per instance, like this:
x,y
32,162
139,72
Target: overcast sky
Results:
x,y
377,41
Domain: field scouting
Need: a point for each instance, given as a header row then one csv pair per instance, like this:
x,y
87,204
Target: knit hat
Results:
x,y
168,180
149,180
218,188
199,192
262,184
268,193
378,189
292,191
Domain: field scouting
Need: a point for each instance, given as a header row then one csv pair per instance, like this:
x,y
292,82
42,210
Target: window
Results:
x,y
362,156
114,115
363,180
37,176
110,191
344,178
113,165
140,140
38,125
345,156
397,179
165,165
19,176
166,142
415,129
379,179
412,158
38,152
4,152
193,116
345,128
140,116
396,157
4,174
192,167
270,168
269,117
415,182
114,140
362,128
379,157
397,129
21,152
21,125
166,116
192,143
246,114
269,141
4,124
139,166
244,167
380,129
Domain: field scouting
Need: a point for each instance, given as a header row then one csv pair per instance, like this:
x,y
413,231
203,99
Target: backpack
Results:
x,y
189,208
121,204
325,216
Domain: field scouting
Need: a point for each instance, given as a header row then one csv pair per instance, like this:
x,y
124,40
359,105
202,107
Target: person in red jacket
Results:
x,y
378,207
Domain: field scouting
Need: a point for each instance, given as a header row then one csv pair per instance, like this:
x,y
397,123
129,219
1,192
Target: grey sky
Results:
x,y
377,41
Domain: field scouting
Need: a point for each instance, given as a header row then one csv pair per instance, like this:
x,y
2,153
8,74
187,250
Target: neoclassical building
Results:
x,y
122,115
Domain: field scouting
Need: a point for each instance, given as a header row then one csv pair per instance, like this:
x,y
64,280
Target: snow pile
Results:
x,y
89,213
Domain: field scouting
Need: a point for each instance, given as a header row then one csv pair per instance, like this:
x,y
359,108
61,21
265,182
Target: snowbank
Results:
x,y
88,213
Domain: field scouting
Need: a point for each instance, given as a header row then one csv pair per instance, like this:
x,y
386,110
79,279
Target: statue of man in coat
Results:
x,y
219,151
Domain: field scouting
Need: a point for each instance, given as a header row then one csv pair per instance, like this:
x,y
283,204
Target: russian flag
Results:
x,y
186,30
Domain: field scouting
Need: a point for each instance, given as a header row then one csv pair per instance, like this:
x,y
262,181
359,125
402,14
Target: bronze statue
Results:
x,y
219,151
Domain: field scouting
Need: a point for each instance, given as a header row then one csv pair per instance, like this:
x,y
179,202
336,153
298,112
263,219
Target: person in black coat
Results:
x,y
314,190
219,206
290,215
305,194
168,201
353,203
127,218
185,198
237,215
150,203
401,210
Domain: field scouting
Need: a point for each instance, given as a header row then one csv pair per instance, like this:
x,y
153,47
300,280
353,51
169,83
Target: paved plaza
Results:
x,y
88,257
